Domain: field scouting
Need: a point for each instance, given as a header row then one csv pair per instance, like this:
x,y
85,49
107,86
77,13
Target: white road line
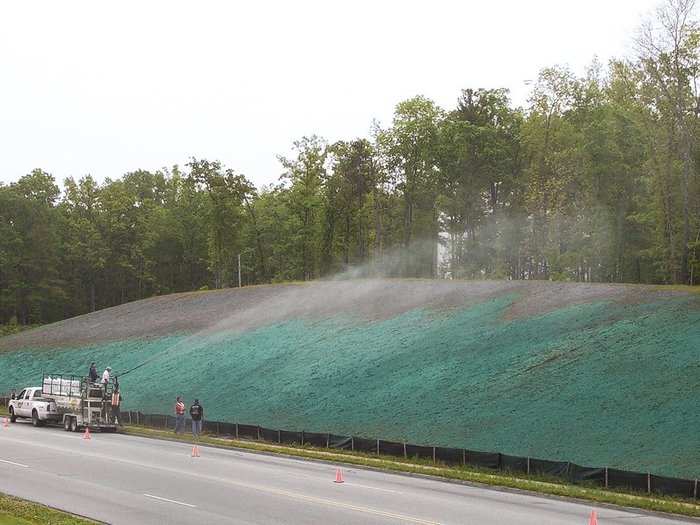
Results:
x,y
170,501
353,484
13,463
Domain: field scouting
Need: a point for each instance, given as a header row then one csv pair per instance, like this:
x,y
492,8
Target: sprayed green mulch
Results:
x,y
599,384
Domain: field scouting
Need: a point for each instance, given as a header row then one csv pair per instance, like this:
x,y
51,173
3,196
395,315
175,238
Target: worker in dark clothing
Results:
x,y
93,373
197,414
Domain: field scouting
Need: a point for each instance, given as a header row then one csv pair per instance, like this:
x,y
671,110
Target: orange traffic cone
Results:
x,y
594,519
339,476
87,433
195,451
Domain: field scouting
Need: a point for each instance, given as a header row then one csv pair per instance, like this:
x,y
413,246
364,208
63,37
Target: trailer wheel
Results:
x,y
13,417
35,419
73,424
66,423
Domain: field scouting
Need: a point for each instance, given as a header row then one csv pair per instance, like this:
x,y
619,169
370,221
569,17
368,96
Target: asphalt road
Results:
x,y
123,479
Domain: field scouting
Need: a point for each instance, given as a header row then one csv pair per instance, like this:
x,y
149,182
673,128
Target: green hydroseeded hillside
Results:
x,y
599,383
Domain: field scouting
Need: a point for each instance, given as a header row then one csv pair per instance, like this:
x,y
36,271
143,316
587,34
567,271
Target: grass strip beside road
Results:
x,y
531,484
16,511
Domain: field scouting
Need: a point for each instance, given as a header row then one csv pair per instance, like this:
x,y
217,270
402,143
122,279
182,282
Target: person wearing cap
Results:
x,y
197,414
105,375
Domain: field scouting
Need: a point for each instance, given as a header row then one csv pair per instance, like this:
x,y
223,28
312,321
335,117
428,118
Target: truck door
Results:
x,y
24,404
18,402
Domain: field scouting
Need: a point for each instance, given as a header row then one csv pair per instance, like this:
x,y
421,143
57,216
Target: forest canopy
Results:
x,y
594,180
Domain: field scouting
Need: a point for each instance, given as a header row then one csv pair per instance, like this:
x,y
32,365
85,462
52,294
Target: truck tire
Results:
x,y
73,424
35,419
66,423
13,417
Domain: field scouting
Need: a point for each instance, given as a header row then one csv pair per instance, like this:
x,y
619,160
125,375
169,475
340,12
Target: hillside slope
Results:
x,y
596,374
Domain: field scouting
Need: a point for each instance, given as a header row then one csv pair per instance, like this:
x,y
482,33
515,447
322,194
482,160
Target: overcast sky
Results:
x,y
106,88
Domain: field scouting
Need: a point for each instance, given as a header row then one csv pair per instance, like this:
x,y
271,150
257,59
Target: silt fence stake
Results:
x,y
695,489
648,483
405,455
236,430
377,447
606,477
434,455
528,466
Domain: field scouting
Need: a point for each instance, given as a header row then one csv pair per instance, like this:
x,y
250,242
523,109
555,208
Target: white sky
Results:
x,y
109,87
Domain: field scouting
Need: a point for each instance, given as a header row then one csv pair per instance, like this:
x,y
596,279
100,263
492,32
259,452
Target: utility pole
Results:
x,y
239,270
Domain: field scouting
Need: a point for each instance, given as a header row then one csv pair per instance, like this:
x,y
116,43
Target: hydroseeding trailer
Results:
x,y
76,402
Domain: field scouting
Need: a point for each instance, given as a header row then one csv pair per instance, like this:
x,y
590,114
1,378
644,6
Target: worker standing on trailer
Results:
x,y
105,375
92,374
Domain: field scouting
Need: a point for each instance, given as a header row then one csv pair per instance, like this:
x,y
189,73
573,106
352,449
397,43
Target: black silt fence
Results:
x,y
419,452
590,475
289,437
339,442
514,463
248,432
622,479
315,439
450,456
392,448
571,472
360,444
491,460
268,434
684,488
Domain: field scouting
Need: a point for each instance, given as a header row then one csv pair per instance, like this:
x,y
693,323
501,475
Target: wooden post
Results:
x,y
377,447
279,436
405,455
464,456
328,440
258,433
606,477
648,483
352,443
695,489
302,438
528,466
434,455
236,430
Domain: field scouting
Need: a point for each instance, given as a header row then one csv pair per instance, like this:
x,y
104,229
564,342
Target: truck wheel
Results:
x,y
73,424
66,424
13,417
35,419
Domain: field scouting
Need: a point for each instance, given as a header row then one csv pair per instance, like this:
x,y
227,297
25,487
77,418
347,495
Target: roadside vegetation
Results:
x,y
535,484
16,511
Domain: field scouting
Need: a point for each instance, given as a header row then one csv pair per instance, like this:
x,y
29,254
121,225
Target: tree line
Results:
x,y
595,180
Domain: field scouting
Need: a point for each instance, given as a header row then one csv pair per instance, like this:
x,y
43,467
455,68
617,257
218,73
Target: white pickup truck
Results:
x,y
75,402
31,403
